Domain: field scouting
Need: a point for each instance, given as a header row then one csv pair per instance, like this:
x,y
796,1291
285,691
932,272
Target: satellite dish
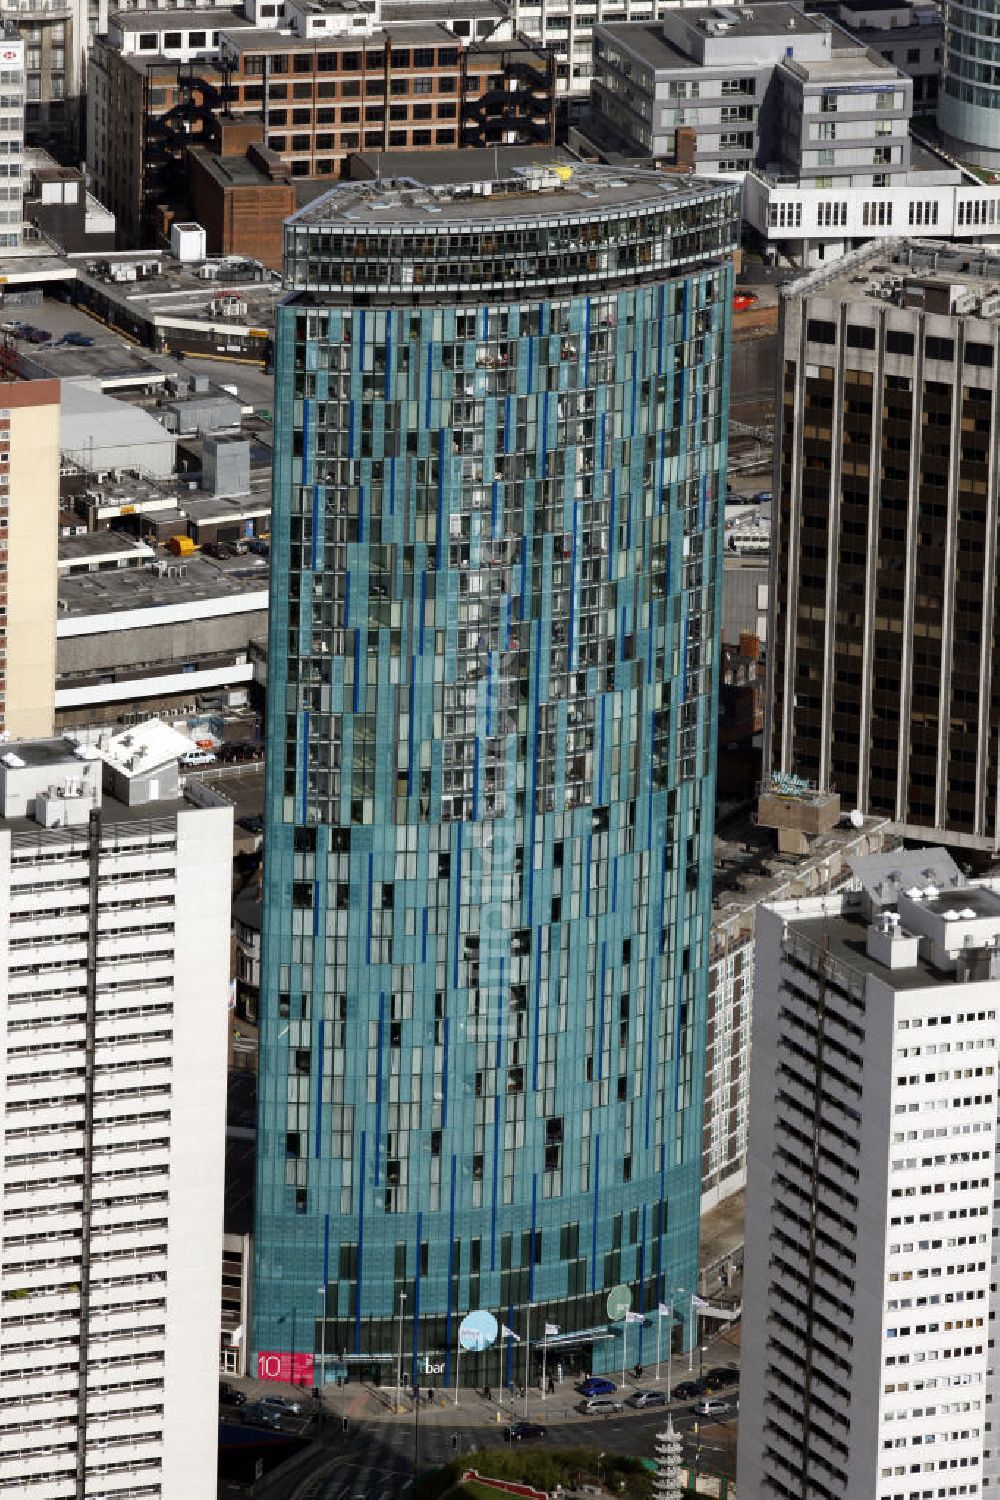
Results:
x,y
857,818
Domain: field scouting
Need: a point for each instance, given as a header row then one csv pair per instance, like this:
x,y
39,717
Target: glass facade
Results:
x,y
969,96
496,564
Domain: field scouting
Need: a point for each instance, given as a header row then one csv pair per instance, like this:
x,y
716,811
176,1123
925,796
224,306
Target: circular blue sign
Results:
x,y
477,1331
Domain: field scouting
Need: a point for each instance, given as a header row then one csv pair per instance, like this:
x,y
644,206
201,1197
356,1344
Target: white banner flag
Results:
x,y
635,1317
551,1329
663,1311
508,1333
698,1301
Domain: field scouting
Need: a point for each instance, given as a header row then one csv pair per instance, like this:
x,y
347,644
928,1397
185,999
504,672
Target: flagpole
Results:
x,y
458,1368
624,1350
691,1333
659,1325
670,1351
545,1350
527,1363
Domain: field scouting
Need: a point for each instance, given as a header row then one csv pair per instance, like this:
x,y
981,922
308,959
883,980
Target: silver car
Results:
x,y
601,1406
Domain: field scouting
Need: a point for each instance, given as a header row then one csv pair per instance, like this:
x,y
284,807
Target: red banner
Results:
x,y
293,1369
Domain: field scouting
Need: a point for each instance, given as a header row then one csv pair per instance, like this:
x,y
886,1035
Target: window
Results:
x,y
197,39
922,213
859,337
897,342
876,215
171,39
737,86
978,354
831,215
937,348
147,42
819,331
828,104
423,57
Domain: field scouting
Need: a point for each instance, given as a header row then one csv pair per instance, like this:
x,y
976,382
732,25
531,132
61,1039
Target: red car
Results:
x,y
743,300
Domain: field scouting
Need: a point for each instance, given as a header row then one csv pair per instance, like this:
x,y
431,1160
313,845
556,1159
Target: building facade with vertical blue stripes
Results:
x,y
499,471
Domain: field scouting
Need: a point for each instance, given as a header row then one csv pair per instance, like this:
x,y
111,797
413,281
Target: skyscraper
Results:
x,y
884,682
114,977
496,544
29,555
969,94
870,1282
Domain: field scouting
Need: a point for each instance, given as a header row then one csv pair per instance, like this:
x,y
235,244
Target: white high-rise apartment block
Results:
x,y
114,973
11,134
867,1367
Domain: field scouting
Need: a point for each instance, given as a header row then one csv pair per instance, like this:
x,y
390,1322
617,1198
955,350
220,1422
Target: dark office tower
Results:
x,y
499,449
885,673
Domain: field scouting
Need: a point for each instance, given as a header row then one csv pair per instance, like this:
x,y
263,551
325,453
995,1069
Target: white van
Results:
x,y
197,758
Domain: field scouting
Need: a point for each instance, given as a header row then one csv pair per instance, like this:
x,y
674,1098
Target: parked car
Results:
x,y
641,1399
521,1432
220,550
711,1406
253,823
260,546
286,1404
241,546
230,1396
688,1390
256,1414
197,758
38,336
77,340
596,1385
764,497
720,1376
743,300
600,1406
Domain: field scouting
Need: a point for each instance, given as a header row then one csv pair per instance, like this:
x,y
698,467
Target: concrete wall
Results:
x,y
32,557
201,1020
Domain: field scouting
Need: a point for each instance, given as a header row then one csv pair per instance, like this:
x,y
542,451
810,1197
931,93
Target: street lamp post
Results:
x,y
527,1363
399,1352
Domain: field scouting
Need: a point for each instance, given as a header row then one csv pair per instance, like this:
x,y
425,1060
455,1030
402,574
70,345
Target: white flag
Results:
x,y
508,1333
698,1301
551,1329
663,1311
635,1317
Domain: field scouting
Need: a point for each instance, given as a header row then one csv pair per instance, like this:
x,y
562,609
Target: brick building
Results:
x,y
241,192
318,96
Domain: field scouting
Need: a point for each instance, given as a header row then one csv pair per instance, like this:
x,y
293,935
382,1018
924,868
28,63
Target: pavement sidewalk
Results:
x,y
365,1404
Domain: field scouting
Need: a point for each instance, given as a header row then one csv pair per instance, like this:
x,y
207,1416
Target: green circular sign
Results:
x,y
619,1302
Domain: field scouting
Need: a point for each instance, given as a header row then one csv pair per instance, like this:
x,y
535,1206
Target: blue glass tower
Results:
x,y
500,435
